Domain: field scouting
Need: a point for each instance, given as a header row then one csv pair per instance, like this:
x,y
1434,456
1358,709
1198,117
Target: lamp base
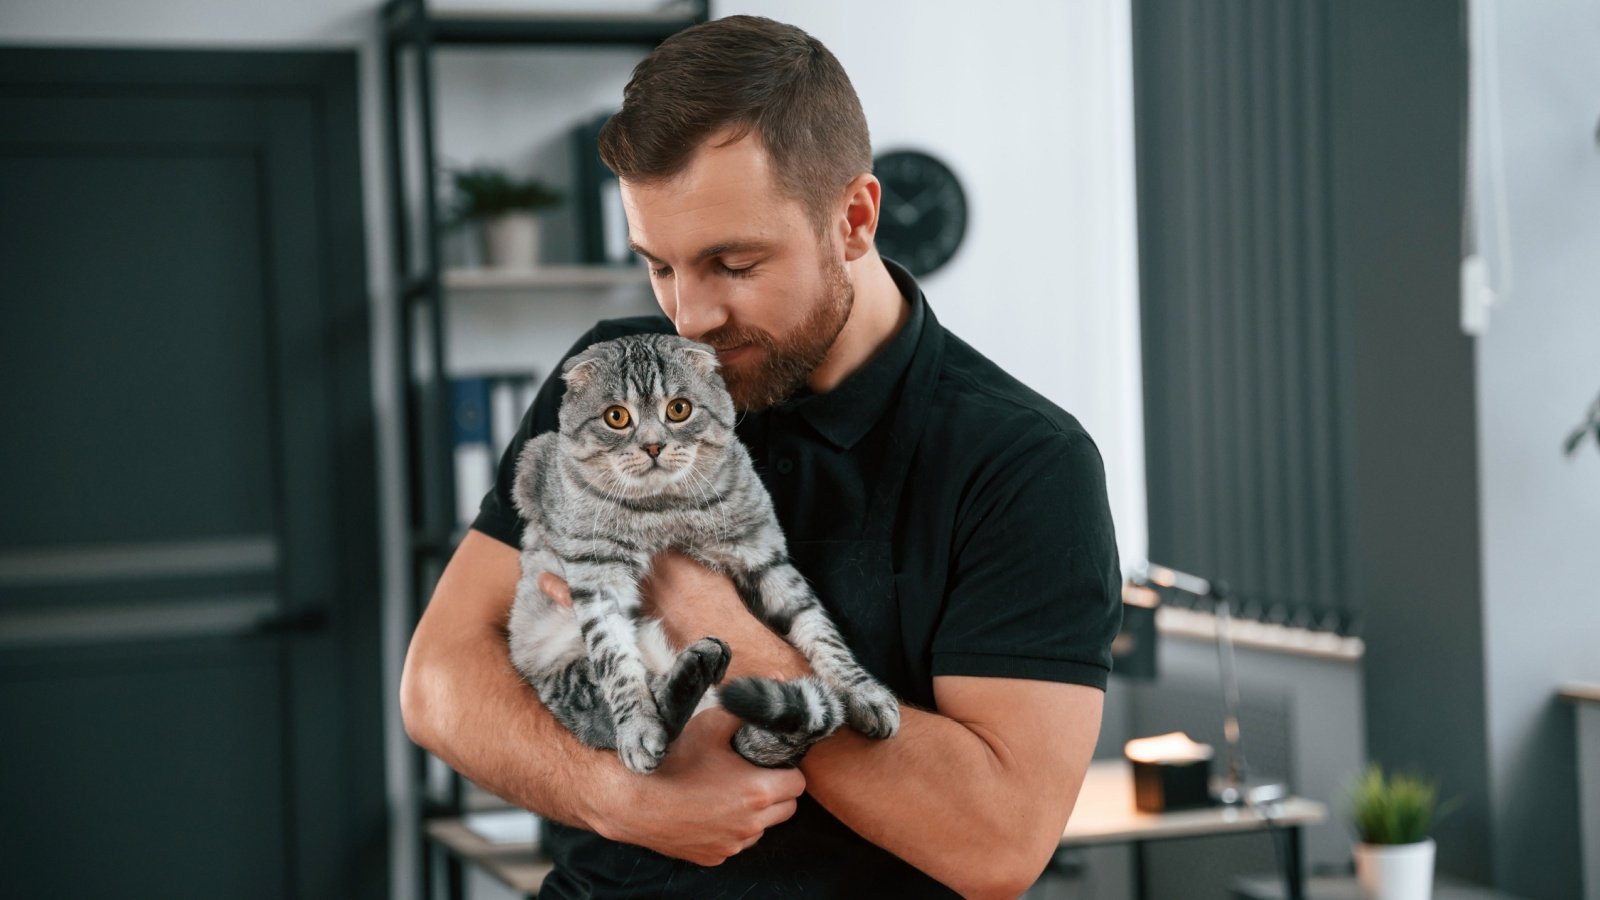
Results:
x,y
1249,793
1164,787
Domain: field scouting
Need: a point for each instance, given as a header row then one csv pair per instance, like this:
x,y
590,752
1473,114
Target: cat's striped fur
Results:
x,y
601,500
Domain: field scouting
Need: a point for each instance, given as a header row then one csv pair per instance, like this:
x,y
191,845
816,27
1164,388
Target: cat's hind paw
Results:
x,y
641,743
712,654
872,710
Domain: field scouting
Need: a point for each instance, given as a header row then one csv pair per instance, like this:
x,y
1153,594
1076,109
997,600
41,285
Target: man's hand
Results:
x,y
692,601
680,810
462,700
683,810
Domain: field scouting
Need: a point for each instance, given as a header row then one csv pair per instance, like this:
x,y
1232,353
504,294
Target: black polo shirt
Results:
x,y
953,522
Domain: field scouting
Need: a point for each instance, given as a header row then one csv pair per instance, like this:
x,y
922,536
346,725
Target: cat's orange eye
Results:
x,y
616,416
678,410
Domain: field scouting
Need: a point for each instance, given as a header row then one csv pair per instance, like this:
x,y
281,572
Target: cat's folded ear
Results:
x,y
701,357
579,371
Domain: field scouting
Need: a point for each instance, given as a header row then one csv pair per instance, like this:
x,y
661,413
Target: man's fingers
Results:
x,y
788,782
777,812
554,588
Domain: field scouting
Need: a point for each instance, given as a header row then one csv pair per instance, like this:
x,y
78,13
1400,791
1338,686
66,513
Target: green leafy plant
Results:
x,y
1400,809
1591,425
483,192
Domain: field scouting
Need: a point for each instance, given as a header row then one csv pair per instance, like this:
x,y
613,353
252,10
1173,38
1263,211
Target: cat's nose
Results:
x,y
653,449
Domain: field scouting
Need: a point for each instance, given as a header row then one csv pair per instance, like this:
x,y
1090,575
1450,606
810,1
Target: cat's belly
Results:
x,y
560,638
653,647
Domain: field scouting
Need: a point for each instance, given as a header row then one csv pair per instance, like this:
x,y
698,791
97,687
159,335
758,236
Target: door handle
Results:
x,y
292,622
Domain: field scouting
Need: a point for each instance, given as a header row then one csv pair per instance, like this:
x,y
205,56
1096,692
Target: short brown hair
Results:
x,y
753,74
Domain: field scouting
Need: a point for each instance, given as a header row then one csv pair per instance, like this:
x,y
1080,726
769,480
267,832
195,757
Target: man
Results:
x,y
954,523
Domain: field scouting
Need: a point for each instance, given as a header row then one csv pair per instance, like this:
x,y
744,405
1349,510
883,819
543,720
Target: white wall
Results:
x,y
1537,371
1031,103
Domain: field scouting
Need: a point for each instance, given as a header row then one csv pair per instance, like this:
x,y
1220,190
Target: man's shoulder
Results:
x,y
980,397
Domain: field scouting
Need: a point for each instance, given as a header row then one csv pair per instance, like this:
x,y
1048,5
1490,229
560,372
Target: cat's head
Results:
x,y
646,414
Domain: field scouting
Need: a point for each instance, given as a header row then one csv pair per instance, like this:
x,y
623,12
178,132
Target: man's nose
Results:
x,y
696,312
653,449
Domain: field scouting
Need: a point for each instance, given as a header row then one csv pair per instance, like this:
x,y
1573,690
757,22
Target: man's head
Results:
x,y
745,166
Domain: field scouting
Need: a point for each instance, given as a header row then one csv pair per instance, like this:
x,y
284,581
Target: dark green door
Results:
x,y
189,672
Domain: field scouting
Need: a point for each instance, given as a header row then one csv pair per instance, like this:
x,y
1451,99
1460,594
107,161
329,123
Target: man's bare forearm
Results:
x,y
945,796
938,796
478,715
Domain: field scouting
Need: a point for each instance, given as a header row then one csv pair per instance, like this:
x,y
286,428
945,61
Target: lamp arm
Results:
x,y
1147,574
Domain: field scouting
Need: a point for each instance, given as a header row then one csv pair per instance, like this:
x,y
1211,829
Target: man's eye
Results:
x,y
662,272
735,273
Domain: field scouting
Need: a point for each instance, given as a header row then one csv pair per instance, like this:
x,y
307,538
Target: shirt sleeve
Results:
x,y
497,514
1035,589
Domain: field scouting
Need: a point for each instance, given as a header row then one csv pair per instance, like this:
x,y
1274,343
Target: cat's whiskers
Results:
x,y
610,504
707,494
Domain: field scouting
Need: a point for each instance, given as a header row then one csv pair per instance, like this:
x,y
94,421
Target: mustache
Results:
x,y
729,337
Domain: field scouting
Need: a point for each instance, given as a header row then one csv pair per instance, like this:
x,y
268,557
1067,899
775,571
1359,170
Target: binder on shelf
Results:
x,y
486,410
597,199
474,457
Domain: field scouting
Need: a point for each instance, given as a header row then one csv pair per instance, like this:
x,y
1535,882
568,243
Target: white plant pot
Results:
x,y
1395,871
511,241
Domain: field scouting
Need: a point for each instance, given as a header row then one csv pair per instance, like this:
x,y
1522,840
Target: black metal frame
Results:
x,y
408,25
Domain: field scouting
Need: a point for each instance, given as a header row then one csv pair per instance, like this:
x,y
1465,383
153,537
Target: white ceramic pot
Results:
x,y
1395,871
511,241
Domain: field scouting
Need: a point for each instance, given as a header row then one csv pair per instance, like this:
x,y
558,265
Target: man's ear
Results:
x,y
858,224
579,371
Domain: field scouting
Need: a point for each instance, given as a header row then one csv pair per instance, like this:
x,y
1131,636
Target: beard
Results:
x,y
779,367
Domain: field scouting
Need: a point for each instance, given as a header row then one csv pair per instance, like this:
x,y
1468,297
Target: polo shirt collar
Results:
x,y
845,414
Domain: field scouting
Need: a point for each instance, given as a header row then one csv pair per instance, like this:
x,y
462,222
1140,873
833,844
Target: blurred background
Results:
x,y
1321,278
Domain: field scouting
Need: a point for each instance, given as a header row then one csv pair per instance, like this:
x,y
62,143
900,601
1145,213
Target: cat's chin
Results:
x,y
649,483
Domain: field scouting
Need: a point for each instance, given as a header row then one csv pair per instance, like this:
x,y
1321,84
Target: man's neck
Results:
x,y
877,315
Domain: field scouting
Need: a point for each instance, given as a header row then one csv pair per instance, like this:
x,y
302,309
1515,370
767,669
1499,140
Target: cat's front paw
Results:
x,y
641,743
872,710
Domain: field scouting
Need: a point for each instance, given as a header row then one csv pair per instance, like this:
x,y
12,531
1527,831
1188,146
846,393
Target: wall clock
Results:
x,y
923,210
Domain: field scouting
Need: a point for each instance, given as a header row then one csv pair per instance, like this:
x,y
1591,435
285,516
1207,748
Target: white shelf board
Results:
x,y
477,12
546,278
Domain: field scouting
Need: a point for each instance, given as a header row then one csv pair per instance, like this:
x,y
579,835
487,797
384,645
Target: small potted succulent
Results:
x,y
1392,818
505,208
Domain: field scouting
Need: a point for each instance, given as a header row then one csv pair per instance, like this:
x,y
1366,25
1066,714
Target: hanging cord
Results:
x,y
1486,265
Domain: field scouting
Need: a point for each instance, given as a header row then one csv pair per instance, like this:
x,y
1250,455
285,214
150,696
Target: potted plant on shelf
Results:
x,y
1392,818
506,209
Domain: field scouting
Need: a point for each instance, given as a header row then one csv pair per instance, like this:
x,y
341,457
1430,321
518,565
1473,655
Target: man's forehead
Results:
x,y
726,194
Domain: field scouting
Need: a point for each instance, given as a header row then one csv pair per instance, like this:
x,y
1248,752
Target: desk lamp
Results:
x,y
1234,789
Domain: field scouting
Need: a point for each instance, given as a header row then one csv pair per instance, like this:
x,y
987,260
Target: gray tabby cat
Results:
x,y
645,460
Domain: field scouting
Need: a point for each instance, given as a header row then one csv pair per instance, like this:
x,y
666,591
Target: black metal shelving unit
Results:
x,y
412,33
